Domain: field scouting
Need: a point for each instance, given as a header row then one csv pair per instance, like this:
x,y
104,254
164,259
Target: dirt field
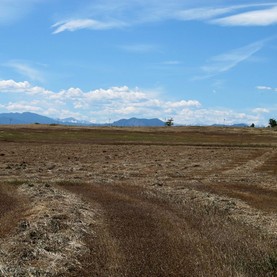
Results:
x,y
182,201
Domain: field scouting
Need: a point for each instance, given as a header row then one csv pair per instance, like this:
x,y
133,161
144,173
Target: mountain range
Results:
x,y
33,118
142,122
25,118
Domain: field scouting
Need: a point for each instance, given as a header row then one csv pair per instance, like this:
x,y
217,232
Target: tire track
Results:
x,y
142,235
148,239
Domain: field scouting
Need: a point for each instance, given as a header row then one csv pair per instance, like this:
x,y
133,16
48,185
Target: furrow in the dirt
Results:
x,y
149,242
153,237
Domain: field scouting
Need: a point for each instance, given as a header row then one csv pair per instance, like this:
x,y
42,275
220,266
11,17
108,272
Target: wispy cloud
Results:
x,y
227,61
202,14
108,14
261,14
26,70
263,17
267,88
78,24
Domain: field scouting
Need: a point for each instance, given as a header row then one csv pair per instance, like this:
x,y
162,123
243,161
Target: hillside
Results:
x,y
31,118
25,118
139,122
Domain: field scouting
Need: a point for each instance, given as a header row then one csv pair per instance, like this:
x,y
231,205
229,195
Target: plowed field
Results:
x,y
181,201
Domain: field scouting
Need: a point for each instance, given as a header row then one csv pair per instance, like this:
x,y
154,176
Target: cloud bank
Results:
x,y
96,106
104,105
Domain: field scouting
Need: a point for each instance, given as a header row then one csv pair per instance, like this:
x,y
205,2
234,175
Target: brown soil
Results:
x,y
7,203
138,202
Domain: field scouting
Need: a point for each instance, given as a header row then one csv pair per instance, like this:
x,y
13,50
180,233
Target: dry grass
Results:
x,y
48,237
12,207
148,234
161,136
225,246
169,201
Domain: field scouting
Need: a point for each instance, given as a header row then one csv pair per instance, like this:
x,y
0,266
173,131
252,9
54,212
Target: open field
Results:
x,y
182,201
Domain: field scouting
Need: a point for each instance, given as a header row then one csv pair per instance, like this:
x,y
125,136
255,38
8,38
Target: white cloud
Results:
x,y
126,110
22,106
216,116
78,24
11,85
183,104
103,105
201,13
262,17
260,110
116,93
266,88
23,87
95,105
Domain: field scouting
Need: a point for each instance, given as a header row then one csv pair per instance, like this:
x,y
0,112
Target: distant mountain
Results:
x,y
238,125
25,118
138,122
242,125
31,118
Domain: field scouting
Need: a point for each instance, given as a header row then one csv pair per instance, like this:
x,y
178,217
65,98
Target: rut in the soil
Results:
x,y
147,241
142,235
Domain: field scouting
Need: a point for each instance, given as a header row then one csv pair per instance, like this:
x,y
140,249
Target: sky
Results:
x,y
199,62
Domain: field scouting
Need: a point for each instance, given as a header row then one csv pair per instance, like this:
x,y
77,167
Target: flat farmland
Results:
x,y
177,201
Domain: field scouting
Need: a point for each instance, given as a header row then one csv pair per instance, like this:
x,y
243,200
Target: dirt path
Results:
x,y
141,235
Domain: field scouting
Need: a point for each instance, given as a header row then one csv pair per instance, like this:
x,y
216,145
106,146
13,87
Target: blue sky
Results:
x,y
200,62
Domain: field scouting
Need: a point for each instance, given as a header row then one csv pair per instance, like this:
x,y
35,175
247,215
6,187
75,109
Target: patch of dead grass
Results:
x,y
48,240
12,205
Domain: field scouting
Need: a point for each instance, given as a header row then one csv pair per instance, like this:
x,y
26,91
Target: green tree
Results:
x,y
272,122
252,125
169,122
